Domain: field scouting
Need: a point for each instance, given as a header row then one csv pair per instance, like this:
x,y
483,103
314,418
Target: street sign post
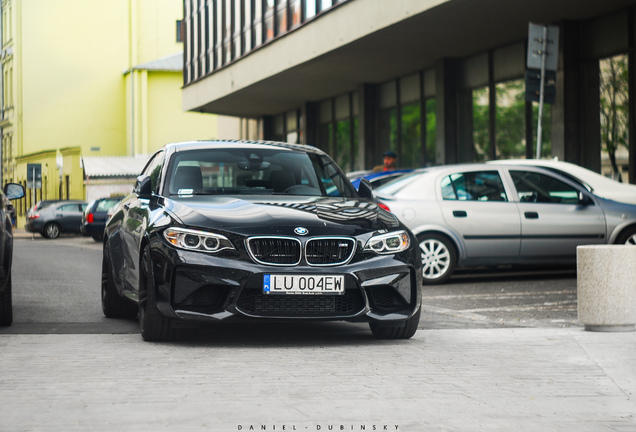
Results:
x,y
543,49
34,178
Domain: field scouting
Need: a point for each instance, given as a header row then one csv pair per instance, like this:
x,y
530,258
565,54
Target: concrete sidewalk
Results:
x,y
333,379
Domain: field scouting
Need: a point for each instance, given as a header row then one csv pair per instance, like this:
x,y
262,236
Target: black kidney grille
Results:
x,y
329,251
275,250
254,302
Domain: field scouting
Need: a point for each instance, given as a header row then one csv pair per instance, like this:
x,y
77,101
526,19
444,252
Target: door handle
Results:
x,y
127,206
459,213
531,215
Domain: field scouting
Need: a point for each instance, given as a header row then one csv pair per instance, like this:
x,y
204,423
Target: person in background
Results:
x,y
390,162
12,214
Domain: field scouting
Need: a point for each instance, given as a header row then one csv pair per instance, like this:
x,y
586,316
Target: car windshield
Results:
x,y
105,205
255,171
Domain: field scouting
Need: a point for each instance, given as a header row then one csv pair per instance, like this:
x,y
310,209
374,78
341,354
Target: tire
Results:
x,y
390,330
113,305
51,230
628,237
154,326
6,307
438,258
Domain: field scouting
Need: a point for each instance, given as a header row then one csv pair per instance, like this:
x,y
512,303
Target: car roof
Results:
x,y
239,144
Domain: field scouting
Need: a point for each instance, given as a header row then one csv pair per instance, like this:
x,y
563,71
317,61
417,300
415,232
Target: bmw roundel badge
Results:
x,y
301,230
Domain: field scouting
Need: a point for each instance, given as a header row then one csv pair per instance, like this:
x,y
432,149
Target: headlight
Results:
x,y
197,240
388,243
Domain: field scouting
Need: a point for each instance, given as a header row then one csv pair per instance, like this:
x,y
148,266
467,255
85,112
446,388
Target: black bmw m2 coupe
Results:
x,y
221,230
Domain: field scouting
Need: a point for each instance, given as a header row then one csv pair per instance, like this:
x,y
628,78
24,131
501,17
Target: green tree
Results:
x,y
614,109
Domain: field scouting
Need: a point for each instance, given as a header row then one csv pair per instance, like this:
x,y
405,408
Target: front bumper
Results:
x,y
194,286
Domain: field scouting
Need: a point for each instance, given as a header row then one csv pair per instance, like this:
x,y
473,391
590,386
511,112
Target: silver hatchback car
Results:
x,y
483,214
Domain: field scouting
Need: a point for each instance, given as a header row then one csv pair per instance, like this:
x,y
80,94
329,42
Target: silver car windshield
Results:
x,y
255,171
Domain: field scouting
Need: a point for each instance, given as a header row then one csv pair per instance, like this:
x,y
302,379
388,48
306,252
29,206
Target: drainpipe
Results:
x,y
132,112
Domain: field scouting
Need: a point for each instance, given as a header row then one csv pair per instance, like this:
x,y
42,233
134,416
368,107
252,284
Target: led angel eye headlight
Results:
x,y
390,243
201,241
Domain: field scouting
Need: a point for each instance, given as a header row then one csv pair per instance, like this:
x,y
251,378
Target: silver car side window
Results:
x,y
474,186
542,188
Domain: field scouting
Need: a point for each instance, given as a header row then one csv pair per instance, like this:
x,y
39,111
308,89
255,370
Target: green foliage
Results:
x,y
614,107
509,122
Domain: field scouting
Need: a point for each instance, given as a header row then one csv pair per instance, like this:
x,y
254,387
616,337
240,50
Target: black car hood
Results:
x,y
272,215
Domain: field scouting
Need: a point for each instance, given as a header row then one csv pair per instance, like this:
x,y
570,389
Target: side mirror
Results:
x,y
143,187
14,191
365,190
584,200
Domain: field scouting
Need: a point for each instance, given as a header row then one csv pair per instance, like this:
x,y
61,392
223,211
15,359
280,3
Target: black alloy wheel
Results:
x,y
155,327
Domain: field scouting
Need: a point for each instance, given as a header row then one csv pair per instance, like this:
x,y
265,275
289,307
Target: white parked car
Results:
x,y
594,182
493,214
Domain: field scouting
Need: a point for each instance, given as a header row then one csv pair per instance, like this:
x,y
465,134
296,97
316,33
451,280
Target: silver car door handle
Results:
x,y
531,215
459,213
127,206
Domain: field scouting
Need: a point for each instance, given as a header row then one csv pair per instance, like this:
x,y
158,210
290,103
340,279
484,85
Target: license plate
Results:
x,y
303,284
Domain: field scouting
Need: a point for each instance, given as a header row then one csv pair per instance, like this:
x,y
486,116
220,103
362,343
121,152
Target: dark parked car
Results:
x,y
11,191
55,218
95,216
220,230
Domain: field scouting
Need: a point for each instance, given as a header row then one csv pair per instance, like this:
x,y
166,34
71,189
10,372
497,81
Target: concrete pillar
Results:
x,y
446,88
607,287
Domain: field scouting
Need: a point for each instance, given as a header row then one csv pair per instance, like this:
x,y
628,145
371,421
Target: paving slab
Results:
x,y
525,379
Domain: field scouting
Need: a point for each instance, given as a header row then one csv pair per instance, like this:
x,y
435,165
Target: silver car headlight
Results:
x,y
390,243
201,241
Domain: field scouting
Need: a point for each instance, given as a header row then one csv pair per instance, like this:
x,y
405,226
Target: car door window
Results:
x,y
153,170
474,186
543,188
69,208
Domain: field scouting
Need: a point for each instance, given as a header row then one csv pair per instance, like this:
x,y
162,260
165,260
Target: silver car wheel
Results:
x,y
52,231
436,258
631,240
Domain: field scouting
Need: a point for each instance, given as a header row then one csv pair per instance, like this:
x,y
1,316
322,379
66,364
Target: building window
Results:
x,y
179,31
281,16
510,121
268,19
310,8
481,121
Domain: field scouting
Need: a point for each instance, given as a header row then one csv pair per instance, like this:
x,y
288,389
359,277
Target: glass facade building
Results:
x,y
428,80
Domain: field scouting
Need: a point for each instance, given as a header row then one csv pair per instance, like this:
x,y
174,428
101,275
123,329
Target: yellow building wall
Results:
x,y
155,29
68,85
167,122
156,117
50,177
72,55
72,184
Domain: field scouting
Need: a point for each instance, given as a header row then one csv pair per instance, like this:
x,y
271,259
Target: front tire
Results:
x,y
390,330
628,237
155,327
438,258
52,230
6,307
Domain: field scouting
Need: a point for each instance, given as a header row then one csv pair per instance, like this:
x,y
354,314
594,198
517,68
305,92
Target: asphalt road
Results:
x,y
56,285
